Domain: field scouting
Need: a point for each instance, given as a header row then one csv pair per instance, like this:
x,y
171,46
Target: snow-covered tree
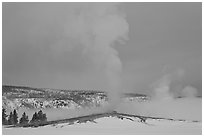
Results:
x,y
4,115
24,119
34,118
15,117
10,119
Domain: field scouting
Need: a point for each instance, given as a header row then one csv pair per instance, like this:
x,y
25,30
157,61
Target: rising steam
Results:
x,y
97,27
164,88
189,91
170,99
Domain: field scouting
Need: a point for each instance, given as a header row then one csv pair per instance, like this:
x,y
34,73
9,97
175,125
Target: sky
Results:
x,y
40,46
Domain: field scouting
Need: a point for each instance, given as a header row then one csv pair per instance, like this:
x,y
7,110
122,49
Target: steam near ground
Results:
x,y
163,102
182,108
185,108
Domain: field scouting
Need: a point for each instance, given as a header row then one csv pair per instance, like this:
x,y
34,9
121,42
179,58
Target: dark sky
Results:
x,y
163,38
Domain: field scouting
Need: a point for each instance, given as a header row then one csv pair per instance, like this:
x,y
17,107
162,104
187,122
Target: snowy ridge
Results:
x,y
33,98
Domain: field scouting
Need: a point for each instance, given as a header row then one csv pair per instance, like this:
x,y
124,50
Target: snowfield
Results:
x,y
177,110
182,108
181,115
112,125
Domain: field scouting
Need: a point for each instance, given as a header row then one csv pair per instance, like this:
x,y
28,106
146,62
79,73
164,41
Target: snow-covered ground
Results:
x,y
188,109
112,125
182,108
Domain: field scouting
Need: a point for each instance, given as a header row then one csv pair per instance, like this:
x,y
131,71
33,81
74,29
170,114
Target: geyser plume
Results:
x,y
97,27
171,97
170,86
162,87
189,92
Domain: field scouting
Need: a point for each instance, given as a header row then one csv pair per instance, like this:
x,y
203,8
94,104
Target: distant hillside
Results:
x,y
28,97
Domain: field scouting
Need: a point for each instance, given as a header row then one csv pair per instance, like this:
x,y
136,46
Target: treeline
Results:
x,y
12,118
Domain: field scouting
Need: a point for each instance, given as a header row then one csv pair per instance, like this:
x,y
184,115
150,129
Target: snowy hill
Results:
x,y
16,97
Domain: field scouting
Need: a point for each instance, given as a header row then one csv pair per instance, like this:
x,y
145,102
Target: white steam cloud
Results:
x,y
189,91
169,87
97,27
165,99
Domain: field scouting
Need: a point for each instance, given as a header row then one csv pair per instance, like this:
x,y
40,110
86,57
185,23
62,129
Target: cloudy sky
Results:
x,y
163,38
